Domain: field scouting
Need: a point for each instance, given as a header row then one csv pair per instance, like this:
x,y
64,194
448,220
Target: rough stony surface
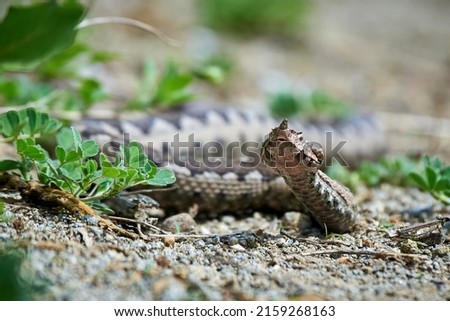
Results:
x,y
73,258
393,61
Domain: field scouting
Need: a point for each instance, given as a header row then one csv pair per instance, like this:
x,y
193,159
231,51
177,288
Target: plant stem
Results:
x,y
130,22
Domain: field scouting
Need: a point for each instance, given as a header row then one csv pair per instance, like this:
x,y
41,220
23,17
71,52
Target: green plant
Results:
x,y
431,175
315,104
434,178
393,170
211,73
170,89
12,285
40,90
30,34
43,50
250,17
20,89
215,68
74,170
16,281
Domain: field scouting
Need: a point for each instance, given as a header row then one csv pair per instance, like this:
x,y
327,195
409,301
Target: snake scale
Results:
x,y
218,158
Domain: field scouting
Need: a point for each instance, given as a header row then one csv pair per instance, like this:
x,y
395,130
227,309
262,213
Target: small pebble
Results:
x,y
180,223
169,241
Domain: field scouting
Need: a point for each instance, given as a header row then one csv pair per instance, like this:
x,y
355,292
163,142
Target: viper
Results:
x,y
225,161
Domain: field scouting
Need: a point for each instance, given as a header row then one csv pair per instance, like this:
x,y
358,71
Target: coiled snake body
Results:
x,y
215,154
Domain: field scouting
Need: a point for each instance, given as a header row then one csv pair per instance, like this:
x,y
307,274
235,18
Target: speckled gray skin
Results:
x,y
231,187
297,160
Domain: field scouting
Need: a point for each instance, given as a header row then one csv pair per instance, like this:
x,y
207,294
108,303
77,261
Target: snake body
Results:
x,y
297,160
231,177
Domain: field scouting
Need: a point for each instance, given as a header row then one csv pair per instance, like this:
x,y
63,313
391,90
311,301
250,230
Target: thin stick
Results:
x,y
148,190
131,220
130,22
365,252
430,226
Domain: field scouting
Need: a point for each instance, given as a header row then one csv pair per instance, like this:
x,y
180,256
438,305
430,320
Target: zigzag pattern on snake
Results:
x,y
217,163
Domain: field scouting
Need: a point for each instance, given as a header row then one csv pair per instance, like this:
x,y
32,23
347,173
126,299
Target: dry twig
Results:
x,y
37,193
379,254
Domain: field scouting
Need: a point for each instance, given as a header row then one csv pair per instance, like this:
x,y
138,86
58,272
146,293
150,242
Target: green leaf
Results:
x,y
72,156
64,139
11,124
211,73
162,178
2,207
101,207
172,88
28,122
104,161
91,91
9,164
131,175
13,118
150,169
89,148
76,137
60,154
28,148
111,172
35,153
103,187
69,139
23,143
135,158
32,120
431,177
442,184
445,172
91,166
71,172
51,127
286,104
419,180
30,34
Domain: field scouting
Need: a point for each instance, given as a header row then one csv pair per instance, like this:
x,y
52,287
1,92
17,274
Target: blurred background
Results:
x,y
287,56
389,57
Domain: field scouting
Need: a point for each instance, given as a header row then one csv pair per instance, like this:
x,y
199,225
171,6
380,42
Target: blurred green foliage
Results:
x,y
170,88
17,283
30,34
429,174
52,67
434,178
254,17
57,83
12,285
315,104
173,86
392,170
221,64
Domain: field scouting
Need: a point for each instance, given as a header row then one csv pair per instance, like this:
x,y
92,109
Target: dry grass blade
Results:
x,y
130,22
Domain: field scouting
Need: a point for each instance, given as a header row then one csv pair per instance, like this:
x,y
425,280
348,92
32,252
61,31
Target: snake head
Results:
x,y
286,149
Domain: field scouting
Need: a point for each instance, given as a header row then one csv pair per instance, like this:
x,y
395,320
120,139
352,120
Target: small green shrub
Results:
x,y
434,178
74,170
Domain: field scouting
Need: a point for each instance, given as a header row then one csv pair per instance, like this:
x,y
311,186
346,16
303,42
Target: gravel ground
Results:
x,y
376,55
72,258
